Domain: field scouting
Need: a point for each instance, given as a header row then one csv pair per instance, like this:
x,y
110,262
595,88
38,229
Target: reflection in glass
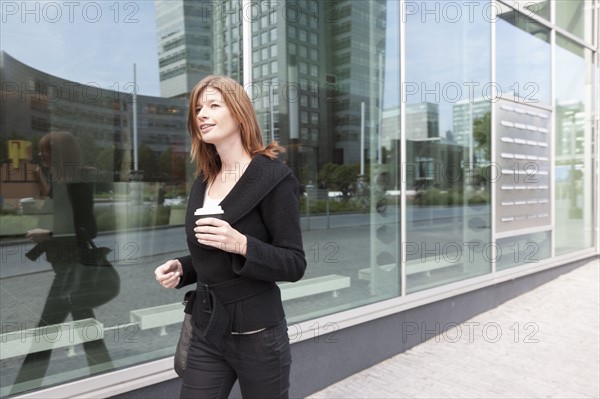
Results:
x,y
83,277
523,57
532,8
332,102
573,178
61,316
328,90
577,17
522,250
327,86
448,150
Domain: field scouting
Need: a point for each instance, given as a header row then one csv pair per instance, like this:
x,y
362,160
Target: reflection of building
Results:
x,y
302,90
287,72
390,143
390,126
465,116
227,40
358,38
433,164
570,130
184,32
422,121
464,112
100,119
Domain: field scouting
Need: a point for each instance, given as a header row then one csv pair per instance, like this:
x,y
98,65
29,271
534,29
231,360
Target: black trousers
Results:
x,y
261,362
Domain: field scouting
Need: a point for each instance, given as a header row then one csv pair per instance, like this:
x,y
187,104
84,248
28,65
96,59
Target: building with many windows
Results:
x,y
298,56
448,153
184,32
36,103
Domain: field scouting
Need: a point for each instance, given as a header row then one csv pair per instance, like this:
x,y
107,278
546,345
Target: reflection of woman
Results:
x,y
239,327
83,278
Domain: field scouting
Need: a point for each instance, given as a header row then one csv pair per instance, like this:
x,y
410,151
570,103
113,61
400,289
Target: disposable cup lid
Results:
x,y
215,210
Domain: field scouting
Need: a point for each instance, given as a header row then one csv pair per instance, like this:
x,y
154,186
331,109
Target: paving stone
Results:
x,y
553,351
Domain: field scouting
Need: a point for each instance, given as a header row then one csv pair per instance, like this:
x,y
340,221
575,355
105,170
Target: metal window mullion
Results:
x,y
553,71
493,146
402,152
247,48
597,125
574,38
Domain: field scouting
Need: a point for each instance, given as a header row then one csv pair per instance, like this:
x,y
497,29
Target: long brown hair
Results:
x,y
66,159
204,154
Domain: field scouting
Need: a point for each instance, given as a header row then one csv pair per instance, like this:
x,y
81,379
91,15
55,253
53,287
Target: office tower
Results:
x,y
184,33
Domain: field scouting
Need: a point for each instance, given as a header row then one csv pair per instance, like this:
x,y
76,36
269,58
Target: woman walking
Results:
x,y
239,326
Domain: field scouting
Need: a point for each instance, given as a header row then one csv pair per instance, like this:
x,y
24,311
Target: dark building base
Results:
x,y
324,360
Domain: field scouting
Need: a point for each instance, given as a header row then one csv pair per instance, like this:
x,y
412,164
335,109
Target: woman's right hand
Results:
x,y
169,273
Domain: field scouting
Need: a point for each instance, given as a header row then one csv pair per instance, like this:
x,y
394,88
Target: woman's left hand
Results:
x,y
218,233
38,235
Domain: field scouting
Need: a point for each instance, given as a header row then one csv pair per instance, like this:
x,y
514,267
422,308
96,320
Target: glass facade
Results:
x,y
438,144
447,130
574,134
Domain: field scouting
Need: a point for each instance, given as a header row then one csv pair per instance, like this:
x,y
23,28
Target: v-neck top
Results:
x,y
211,202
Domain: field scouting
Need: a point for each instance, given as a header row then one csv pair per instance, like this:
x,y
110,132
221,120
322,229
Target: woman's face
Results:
x,y
215,122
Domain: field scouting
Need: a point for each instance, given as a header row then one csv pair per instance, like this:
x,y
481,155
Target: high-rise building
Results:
x,y
304,90
227,39
184,33
358,59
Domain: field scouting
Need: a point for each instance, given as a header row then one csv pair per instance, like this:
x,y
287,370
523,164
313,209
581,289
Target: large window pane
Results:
x,y
574,158
91,185
523,57
523,189
448,148
135,195
338,116
577,17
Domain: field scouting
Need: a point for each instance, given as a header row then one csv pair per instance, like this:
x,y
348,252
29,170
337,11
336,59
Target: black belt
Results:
x,y
211,299
228,291
236,290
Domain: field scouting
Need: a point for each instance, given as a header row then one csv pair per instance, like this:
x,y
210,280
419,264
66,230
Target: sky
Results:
x,y
89,42
97,42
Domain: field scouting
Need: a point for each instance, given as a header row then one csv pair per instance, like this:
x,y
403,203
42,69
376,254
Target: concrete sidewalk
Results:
x,y
542,344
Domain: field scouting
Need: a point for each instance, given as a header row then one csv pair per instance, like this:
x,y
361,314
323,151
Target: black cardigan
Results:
x,y
263,205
